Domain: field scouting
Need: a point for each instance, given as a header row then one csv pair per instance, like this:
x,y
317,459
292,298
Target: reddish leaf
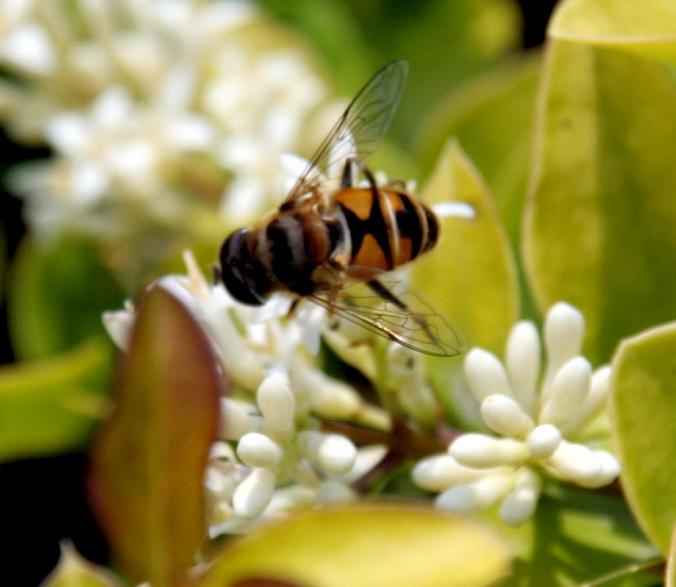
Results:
x,y
148,460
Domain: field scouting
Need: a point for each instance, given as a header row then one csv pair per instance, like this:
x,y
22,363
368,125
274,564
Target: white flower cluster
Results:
x,y
152,106
542,425
271,458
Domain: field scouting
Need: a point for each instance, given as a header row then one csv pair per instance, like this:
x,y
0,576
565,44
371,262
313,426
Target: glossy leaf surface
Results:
x,y
644,404
366,545
149,459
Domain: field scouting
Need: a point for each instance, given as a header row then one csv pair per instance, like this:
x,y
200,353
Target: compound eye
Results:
x,y
235,265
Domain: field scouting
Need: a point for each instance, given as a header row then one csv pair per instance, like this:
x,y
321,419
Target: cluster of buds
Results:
x,y
543,424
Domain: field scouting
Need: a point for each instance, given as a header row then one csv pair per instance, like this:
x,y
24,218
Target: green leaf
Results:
x,y
576,536
56,297
643,408
74,571
479,290
670,574
50,406
148,461
366,545
600,225
492,118
647,27
446,43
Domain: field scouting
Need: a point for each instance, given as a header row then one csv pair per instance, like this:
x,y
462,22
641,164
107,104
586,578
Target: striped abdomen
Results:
x,y
387,229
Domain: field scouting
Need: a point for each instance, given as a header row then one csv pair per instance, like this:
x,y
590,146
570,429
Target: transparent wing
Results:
x,y
404,317
359,130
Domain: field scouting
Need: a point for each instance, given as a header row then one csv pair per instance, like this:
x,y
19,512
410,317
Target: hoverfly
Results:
x,y
331,231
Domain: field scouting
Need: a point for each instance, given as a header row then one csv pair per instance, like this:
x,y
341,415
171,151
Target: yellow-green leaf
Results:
x,y
600,228
74,571
148,461
644,408
670,573
50,406
647,27
56,296
367,545
492,117
471,276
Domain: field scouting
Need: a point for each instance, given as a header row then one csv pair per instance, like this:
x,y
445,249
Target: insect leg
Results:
x,y
347,180
377,287
396,184
217,274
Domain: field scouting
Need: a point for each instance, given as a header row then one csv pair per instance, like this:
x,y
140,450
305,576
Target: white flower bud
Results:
x,y
439,472
505,416
485,374
575,462
277,404
567,392
254,493
328,397
334,453
523,363
563,333
519,504
467,499
593,403
237,419
292,499
608,472
543,440
481,451
257,450
332,491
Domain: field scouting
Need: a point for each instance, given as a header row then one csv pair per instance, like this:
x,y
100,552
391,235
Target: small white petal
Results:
x,y
523,363
68,133
254,493
505,416
519,504
567,392
485,374
292,499
29,48
575,462
454,209
481,451
277,404
119,325
237,419
543,440
563,334
191,133
332,491
593,403
257,450
221,450
439,472
334,453
467,499
367,458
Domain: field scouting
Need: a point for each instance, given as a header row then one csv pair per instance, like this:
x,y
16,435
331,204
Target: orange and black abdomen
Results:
x,y
388,228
